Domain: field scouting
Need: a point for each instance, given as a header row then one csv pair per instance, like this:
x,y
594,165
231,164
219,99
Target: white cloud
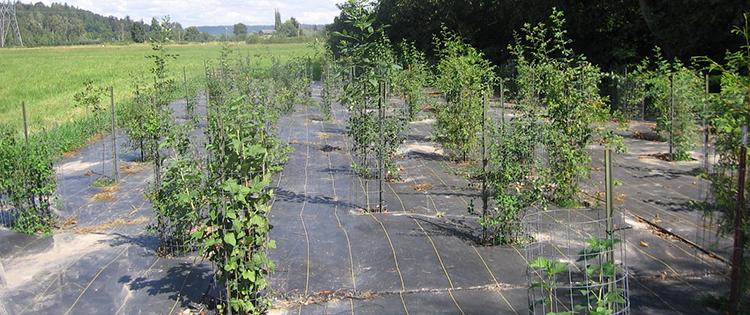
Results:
x,y
213,12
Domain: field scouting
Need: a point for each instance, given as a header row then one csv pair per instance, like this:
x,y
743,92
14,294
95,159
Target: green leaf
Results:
x,y
229,239
249,274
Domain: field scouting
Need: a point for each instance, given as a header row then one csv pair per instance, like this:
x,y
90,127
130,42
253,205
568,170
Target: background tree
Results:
x,y
240,31
177,32
611,33
290,28
138,32
192,34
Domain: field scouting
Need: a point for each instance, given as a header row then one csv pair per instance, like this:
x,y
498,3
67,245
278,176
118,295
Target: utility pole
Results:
x,y
9,23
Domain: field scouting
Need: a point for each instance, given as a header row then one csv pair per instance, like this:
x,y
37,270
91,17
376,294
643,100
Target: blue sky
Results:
x,y
214,12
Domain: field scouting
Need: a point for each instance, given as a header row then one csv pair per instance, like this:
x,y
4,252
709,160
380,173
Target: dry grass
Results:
x,y
323,136
132,167
620,198
111,224
68,223
106,194
422,187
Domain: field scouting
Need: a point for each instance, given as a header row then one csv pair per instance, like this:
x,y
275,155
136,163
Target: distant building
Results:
x,y
266,32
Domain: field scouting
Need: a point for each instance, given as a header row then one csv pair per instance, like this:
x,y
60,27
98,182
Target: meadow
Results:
x,y
46,78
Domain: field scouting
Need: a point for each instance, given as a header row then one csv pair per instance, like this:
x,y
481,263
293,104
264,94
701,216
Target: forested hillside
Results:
x,y
63,24
608,32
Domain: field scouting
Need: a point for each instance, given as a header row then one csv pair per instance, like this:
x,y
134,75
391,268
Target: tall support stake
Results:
x,y
739,225
502,102
381,158
25,122
188,107
484,166
609,187
643,105
671,116
114,133
705,131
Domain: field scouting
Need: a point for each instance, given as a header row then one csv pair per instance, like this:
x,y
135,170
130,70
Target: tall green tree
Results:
x,y
277,19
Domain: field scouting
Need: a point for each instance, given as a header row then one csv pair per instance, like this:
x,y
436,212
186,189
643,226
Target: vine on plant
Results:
x,y
595,295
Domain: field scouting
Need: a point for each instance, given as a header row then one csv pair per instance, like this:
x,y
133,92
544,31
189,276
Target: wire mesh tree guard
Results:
x,y
575,264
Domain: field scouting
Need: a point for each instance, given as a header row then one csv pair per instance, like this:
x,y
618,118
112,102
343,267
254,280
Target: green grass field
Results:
x,y
46,78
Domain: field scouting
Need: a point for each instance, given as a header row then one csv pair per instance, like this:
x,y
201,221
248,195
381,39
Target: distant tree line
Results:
x,y
609,32
62,24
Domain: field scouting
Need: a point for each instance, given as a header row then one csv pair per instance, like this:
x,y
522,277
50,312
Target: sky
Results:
x,y
213,12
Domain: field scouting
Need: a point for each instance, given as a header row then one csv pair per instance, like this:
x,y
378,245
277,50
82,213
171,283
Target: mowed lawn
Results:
x,y
47,78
